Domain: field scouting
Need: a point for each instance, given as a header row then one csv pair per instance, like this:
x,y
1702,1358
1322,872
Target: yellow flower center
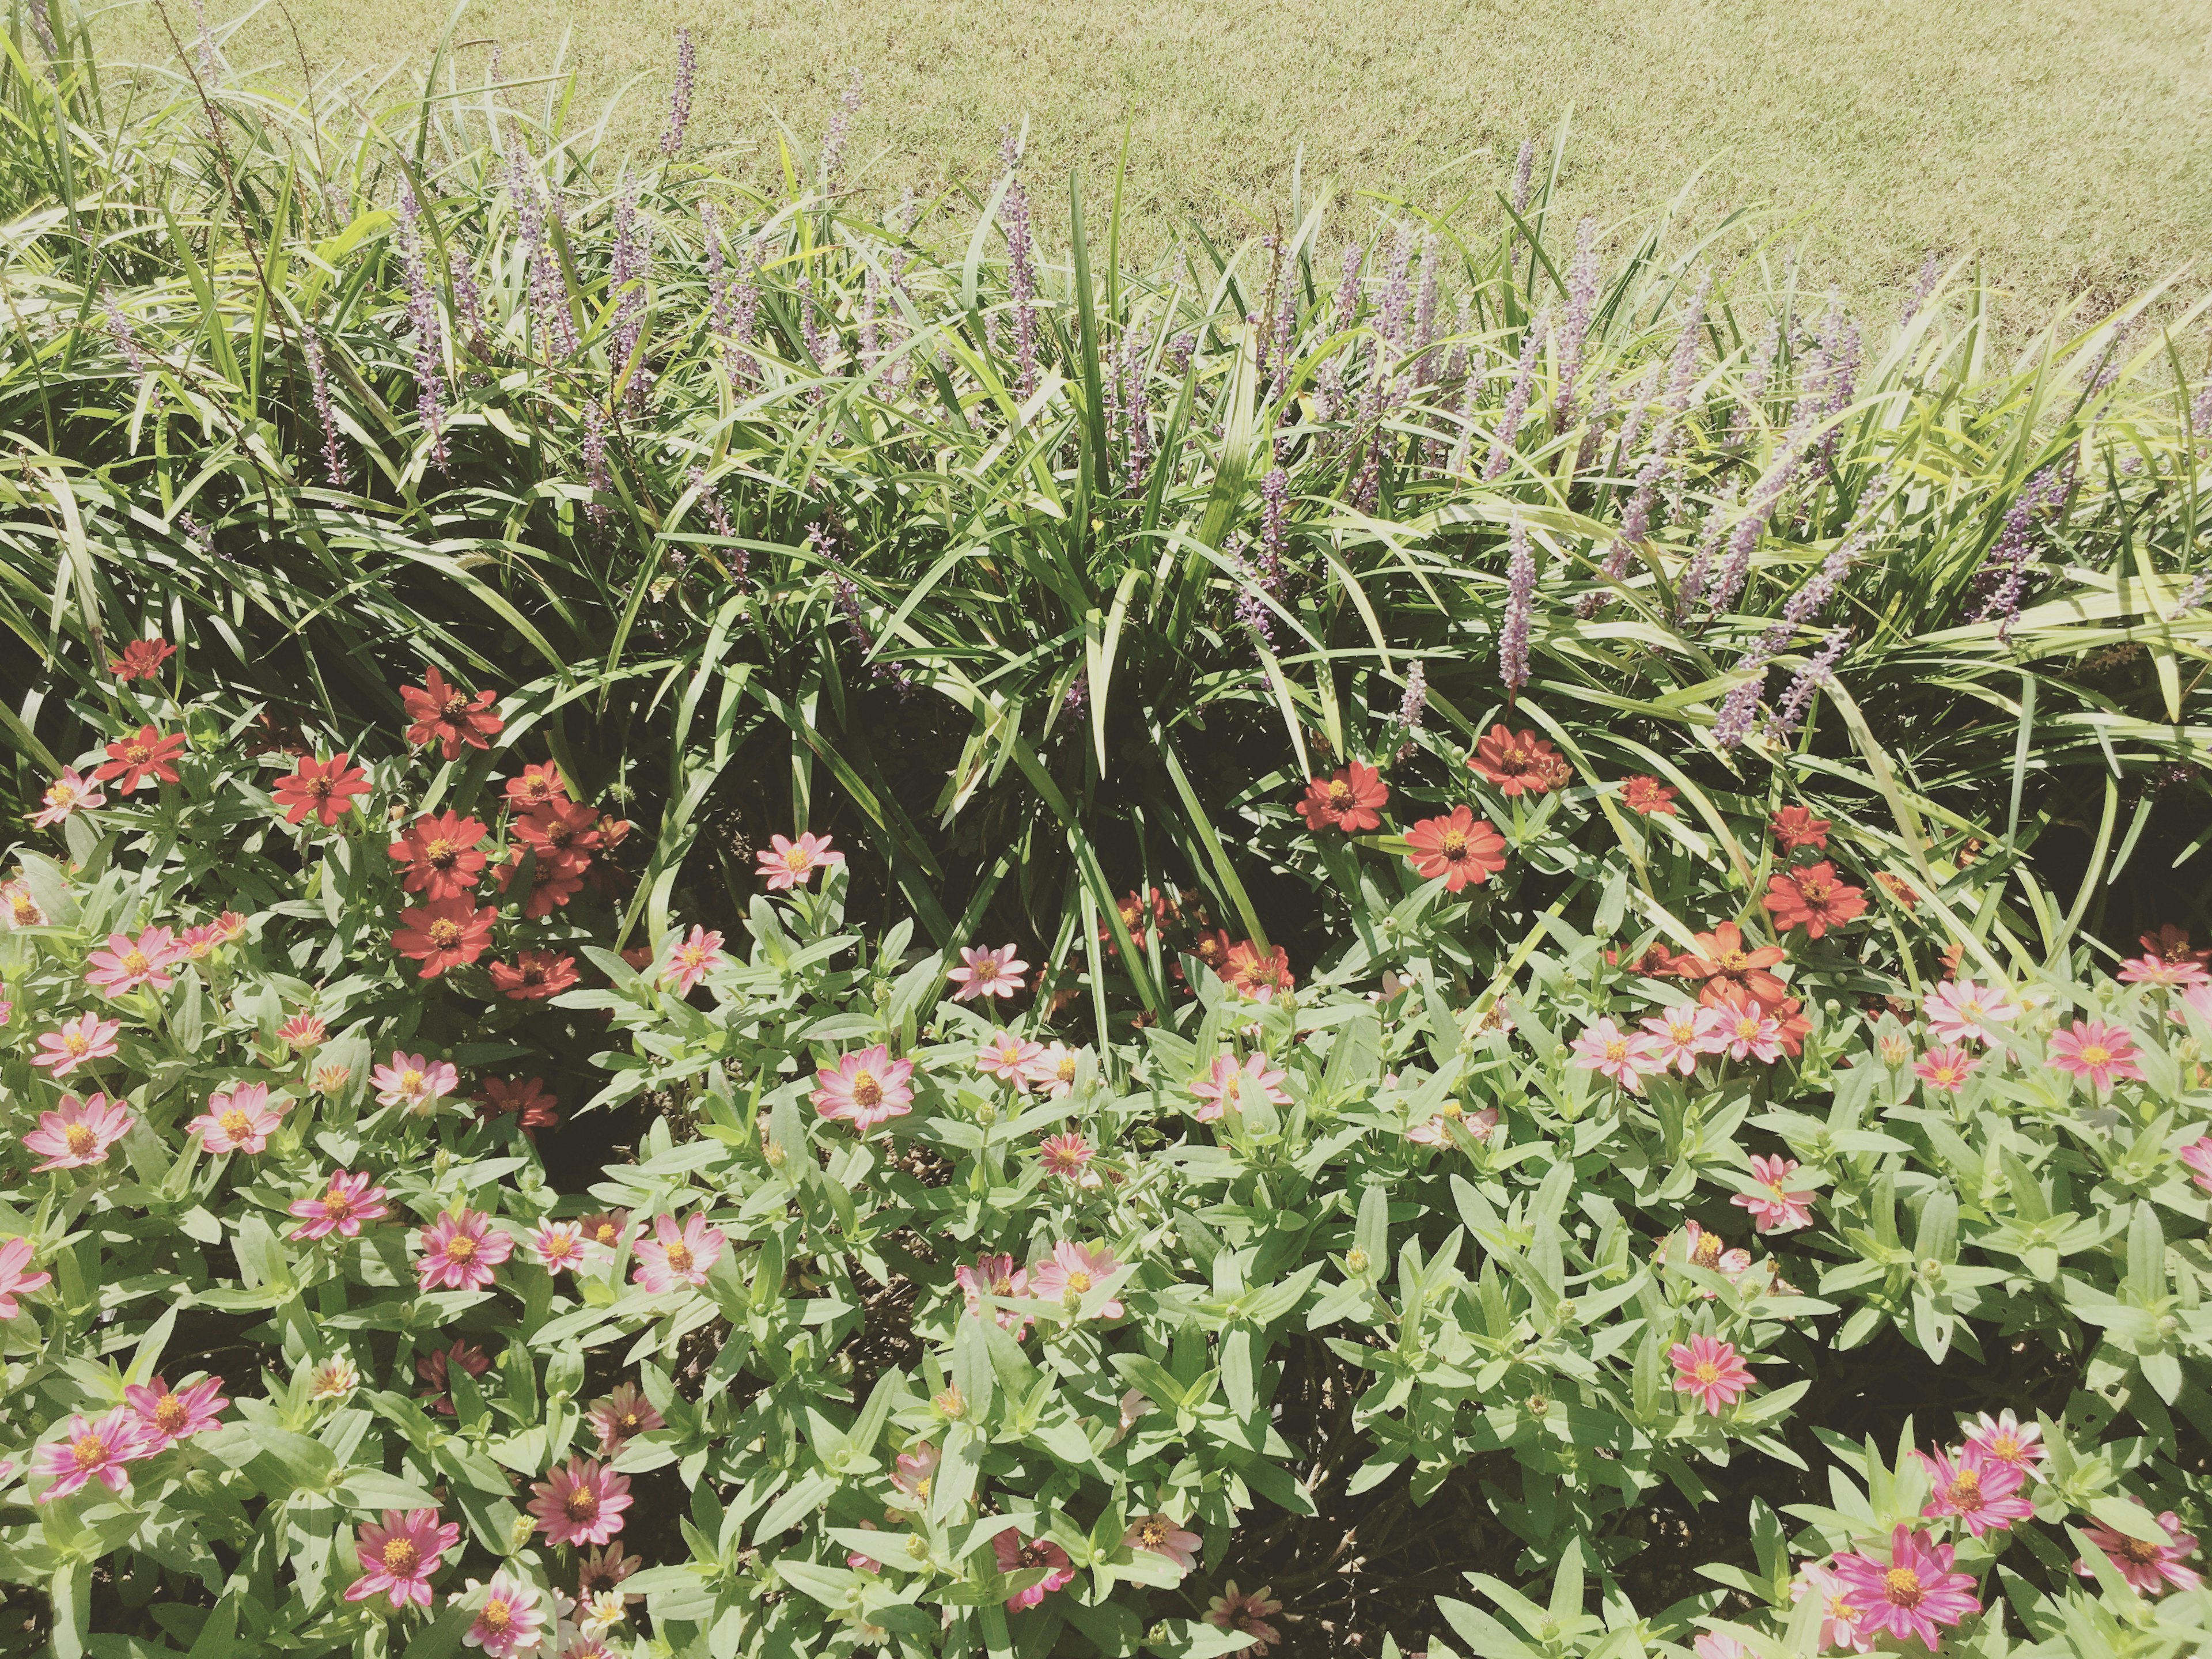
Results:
x,y
867,1092
460,1248
1079,1280
444,932
400,1558
170,1416
1339,793
409,1081
1153,1534
83,1142
2095,1055
1706,1252
604,1234
336,1207
1064,1068
1902,1586
797,861
440,852
1967,1489
497,1617
136,753
1616,1049
235,1124
1706,1371
679,1257
2137,1552
1454,845
90,1451
134,961
581,1503
77,1044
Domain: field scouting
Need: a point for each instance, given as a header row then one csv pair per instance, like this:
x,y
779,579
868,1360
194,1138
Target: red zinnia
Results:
x,y
131,761
440,852
444,933
1346,800
535,975
1813,896
1795,826
142,659
1519,763
1462,848
1648,796
554,881
537,785
444,714
1254,975
562,829
528,1099
324,788
1722,958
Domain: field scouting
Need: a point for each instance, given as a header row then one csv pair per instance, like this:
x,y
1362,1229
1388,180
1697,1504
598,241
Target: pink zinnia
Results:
x,y
995,1276
792,863
1711,1371
2150,969
1958,1009
239,1119
670,1258
414,1081
67,793
507,1619
1776,1209
1227,1087
128,963
2005,1439
621,1417
1840,1623
346,1203
2104,1053
1912,1592
581,1503
694,958
15,1256
166,1417
916,1468
1068,1155
1978,1490
987,974
2154,1569
401,1555
1162,1536
1946,1069
1747,1031
1605,1048
1016,1554
1436,1132
303,1031
459,1251
558,1245
2197,1158
1679,1036
1071,1272
79,1133
92,1451
1054,1071
865,1089
87,1037
1707,1252
1009,1058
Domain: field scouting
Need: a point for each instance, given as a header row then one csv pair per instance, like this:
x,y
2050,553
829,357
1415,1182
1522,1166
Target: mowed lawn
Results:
x,y
2070,142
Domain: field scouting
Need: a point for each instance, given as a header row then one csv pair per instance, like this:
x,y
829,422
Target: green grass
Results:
x,y
2060,140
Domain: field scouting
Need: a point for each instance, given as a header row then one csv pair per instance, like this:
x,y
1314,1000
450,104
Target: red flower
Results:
x,y
561,828
1795,826
1462,848
445,714
535,975
554,882
1132,917
1258,975
1519,763
1815,897
131,761
1899,889
1346,800
324,788
1648,796
1655,960
536,1108
537,785
1722,959
142,659
440,852
444,933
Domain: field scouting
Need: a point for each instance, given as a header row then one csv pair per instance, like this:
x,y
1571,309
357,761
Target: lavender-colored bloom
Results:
x,y
202,43
1179,352
1286,318
1600,410
1397,291
2192,597
1347,288
1701,562
1929,274
428,323
717,513
1078,692
334,465
821,344
1367,487
2002,578
468,301
599,473
198,534
533,220
679,100
841,130
2200,414
1129,409
43,27
1021,273
1524,174
627,277
2107,368
1413,707
1574,338
1455,362
1755,377
845,592
1520,610
125,337
871,296
1516,401
1274,525
1765,496
1819,670
1681,375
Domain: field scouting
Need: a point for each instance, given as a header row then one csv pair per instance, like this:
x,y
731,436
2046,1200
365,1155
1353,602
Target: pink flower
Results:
x,y
197,944
87,1037
1912,1592
2150,969
916,1468
2197,1158
1776,1209
67,793
19,907
1009,1059
92,1451
303,1032
1162,1536
459,1251
1068,1155
866,1089
621,1417
1016,1554
1709,1370
1234,1610
1706,1252
1978,1490
1945,1069
414,1081
508,1620
558,1245
1677,1036
2198,999
401,1555
793,863
2005,1439
1840,1625
15,1256
1715,1645
995,1276
128,963
165,1417
1229,1085
1958,1009
987,973
1071,1272
239,1119
79,1133
694,958
1747,1031
2154,1569
858,1562
2103,1054
1605,1048
581,1503
346,1203
670,1258
1436,1131
1054,1071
